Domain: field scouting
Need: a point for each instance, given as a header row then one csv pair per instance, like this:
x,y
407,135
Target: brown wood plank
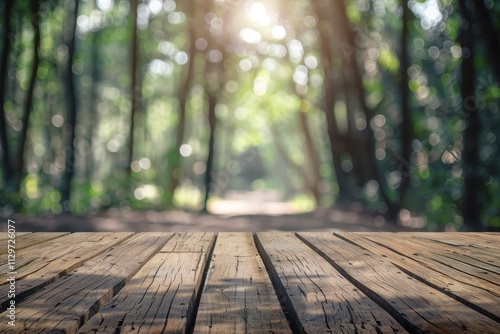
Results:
x,y
461,271
58,244
477,241
483,301
32,258
4,235
161,296
63,306
479,238
238,296
318,297
478,251
43,268
417,306
30,239
486,262
190,243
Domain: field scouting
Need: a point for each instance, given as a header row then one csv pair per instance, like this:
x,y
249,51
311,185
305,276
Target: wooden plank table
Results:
x,y
270,282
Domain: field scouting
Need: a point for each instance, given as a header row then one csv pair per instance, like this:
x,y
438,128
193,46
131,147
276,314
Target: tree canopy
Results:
x,y
136,104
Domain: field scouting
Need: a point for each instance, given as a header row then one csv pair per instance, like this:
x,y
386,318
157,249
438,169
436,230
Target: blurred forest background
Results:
x,y
161,104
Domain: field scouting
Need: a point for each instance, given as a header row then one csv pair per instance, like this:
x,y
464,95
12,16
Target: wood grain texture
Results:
x,y
24,240
63,306
454,265
39,266
3,235
320,283
32,258
238,296
190,243
317,296
483,301
487,242
482,259
161,297
414,304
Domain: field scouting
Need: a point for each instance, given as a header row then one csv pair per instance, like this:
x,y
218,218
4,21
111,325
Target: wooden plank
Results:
x,y
29,239
460,270
238,296
32,258
477,259
190,243
51,246
414,304
483,301
478,251
44,267
162,296
63,306
319,299
477,242
4,235
483,239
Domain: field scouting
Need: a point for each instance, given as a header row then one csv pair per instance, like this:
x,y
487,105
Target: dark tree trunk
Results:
x,y
93,105
489,34
406,122
29,93
71,111
135,86
312,156
212,121
336,145
350,61
471,208
213,78
329,98
6,39
175,156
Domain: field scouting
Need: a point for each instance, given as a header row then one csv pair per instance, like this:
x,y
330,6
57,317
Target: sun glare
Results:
x,y
258,14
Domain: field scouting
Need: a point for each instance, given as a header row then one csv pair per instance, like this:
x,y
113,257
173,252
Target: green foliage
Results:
x,y
270,72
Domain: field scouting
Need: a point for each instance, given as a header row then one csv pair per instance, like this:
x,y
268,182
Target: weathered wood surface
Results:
x,y
4,235
272,282
414,304
319,298
161,297
42,264
24,240
63,306
238,296
438,276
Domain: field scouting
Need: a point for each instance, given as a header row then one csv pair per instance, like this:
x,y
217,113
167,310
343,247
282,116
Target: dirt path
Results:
x,y
182,221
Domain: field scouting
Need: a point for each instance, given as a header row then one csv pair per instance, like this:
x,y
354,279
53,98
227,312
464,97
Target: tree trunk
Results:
x,y
489,34
369,141
135,86
329,98
6,39
336,145
71,111
93,105
471,207
406,123
175,158
29,93
313,158
212,121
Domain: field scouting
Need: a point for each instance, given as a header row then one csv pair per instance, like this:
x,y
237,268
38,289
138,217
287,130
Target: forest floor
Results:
x,y
227,216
